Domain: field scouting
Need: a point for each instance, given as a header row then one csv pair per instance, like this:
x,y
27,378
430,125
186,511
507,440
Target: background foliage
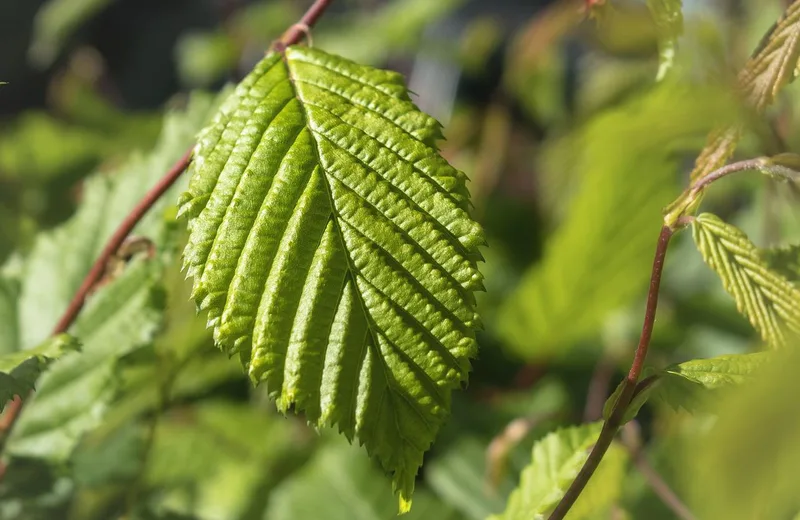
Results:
x,y
572,148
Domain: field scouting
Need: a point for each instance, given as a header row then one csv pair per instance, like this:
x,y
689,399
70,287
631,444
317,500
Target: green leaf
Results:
x,y
643,392
721,371
669,23
744,464
338,484
19,370
556,460
9,333
692,384
784,260
458,476
767,299
215,459
599,258
333,250
38,147
121,316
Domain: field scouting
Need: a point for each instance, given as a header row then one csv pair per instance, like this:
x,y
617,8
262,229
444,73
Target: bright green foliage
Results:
x,y
770,301
745,465
643,391
459,477
557,458
39,147
669,22
784,260
121,316
55,23
213,463
19,370
599,258
694,384
333,250
721,371
345,486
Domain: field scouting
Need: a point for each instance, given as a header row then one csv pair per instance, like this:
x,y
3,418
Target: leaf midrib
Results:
x,y
346,252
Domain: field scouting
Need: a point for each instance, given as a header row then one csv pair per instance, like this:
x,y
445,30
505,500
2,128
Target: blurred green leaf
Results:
x,y
19,370
643,392
745,465
770,301
9,334
215,459
693,384
120,317
458,476
720,372
555,462
599,258
340,484
119,460
39,147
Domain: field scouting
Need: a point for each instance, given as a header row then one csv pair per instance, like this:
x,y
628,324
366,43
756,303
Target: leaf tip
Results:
x,y
404,504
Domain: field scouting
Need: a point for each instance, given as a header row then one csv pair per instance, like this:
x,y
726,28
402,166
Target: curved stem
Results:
x,y
296,32
651,305
615,420
703,182
116,240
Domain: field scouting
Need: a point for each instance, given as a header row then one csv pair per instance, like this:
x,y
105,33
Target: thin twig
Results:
x,y
116,240
631,439
651,305
612,424
296,32
703,182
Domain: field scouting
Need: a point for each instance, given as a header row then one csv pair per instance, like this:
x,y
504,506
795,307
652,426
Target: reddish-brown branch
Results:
x,y
116,240
652,304
296,32
615,420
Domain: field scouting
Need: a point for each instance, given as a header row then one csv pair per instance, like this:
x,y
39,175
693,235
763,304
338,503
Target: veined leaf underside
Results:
x,y
332,247
770,302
